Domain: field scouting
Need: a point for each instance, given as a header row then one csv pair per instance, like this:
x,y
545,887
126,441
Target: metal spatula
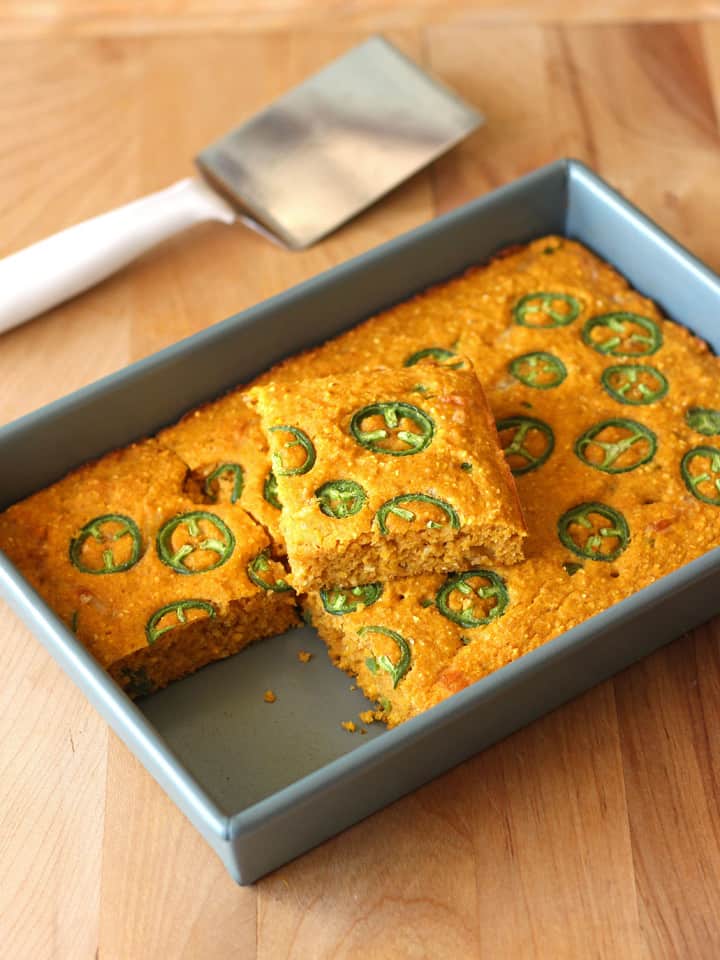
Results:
x,y
296,171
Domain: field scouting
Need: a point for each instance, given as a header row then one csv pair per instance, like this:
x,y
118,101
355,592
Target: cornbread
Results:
x,y
153,584
384,474
224,447
613,434
609,416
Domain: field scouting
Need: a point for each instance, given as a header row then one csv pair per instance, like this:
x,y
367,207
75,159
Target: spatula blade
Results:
x,y
332,146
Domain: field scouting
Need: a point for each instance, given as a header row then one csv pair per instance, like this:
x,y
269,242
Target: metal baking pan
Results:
x,y
265,783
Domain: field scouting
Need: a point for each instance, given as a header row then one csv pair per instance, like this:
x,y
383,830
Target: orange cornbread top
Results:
x,y
121,553
346,449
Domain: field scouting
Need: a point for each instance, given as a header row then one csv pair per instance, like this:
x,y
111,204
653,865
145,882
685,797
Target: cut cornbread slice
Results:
x,y
153,584
225,448
388,473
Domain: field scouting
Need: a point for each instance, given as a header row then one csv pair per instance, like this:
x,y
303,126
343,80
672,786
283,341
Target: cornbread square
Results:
x,y
388,473
225,448
153,584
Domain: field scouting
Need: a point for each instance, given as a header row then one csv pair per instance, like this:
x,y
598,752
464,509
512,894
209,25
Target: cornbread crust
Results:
x,y
419,441
554,588
46,536
227,432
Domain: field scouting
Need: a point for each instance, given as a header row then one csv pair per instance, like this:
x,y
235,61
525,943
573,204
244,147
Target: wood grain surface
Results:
x,y
593,833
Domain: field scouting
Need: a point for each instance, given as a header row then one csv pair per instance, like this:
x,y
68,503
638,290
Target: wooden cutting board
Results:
x,y
593,833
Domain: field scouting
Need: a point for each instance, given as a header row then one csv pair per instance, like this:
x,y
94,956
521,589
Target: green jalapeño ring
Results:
x,y
628,334
180,609
628,437
395,507
218,542
703,420
342,600
456,598
341,498
106,531
257,571
532,441
396,670
634,384
540,370
213,486
300,439
709,478
270,491
591,547
384,439
541,305
440,355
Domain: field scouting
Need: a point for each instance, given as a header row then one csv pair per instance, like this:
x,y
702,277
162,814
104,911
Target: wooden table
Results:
x,y
593,833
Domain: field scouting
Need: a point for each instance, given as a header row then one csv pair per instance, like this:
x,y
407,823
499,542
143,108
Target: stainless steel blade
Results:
x,y
332,146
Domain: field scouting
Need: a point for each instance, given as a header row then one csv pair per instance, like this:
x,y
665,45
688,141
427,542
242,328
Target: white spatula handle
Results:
x,y
48,272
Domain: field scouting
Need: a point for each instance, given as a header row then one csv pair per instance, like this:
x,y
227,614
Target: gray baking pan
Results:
x,y
265,783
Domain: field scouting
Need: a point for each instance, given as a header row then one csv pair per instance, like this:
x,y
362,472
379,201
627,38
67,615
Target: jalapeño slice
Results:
x,y
441,356
341,600
545,309
270,491
395,507
107,544
595,531
396,670
539,369
616,446
703,420
385,428
341,498
473,598
299,439
634,384
529,443
700,469
258,570
195,542
622,334
217,480
162,620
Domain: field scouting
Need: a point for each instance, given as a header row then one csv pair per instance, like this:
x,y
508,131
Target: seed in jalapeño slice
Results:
x,y
213,486
107,530
531,443
180,608
704,485
589,539
704,421
257,571
342,600
634,384
624,436
623,334
456,598
383,438
395,506
396,670
545,304
300,439
441,356
341,498
540,370
218,541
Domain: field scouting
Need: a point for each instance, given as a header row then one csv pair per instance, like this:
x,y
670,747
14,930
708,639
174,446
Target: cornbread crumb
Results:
x,y
269,697
349,726
304,656
367,716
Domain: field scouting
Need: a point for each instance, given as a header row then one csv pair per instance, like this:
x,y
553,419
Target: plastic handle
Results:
x,y
55,269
